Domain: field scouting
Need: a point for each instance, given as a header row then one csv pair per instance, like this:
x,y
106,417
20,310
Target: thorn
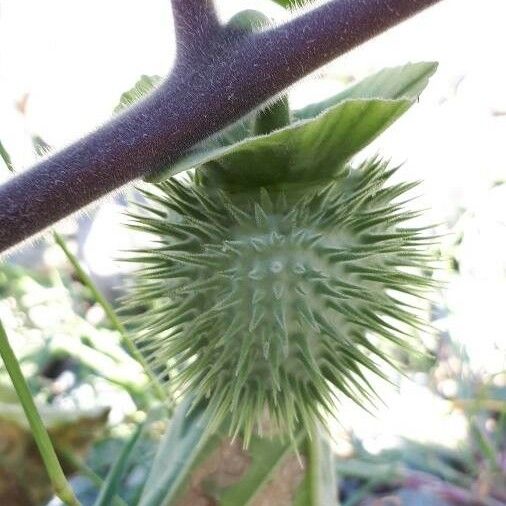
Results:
x,y
256,274
265,200
278,288
257,316
258,295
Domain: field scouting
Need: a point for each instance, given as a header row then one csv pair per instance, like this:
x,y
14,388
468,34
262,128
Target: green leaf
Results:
x,y
319,487
4,155
266,455
344,124
404,83
184,445
305,151
286,3
141,88
407,81
113,480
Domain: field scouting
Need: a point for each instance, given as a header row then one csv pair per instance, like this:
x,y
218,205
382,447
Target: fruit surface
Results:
x,y
261,301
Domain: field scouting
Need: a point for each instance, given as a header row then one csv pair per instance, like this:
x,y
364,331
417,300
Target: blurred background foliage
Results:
x,y
440,437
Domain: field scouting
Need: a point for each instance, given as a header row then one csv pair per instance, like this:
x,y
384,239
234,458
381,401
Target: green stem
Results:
x,y
110,313
273,117
321,469
58,480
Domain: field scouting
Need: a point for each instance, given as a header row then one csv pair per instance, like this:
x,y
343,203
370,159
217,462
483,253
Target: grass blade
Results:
x,y
112,482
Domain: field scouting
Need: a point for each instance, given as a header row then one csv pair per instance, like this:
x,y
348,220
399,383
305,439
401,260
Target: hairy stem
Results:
x,y
207,91
195,21
41,148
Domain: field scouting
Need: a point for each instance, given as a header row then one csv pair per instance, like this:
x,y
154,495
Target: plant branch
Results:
x,y
41,147
195,22
204,94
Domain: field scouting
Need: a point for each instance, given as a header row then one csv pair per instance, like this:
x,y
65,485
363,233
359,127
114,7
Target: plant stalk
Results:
x,y
207,91
111,315
59,482
42,148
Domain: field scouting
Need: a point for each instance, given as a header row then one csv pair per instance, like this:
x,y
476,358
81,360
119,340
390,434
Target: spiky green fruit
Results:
x,y
262,301
273,266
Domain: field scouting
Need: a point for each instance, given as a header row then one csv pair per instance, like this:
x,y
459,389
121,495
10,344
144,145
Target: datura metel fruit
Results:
x,y
277,266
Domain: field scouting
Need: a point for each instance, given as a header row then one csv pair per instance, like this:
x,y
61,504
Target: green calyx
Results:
x,y
274,264
273,117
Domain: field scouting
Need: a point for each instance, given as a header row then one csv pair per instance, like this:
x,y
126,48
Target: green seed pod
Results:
x,y
263,287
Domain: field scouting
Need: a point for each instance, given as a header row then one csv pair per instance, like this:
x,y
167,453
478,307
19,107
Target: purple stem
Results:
x,y
210,87
195,22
